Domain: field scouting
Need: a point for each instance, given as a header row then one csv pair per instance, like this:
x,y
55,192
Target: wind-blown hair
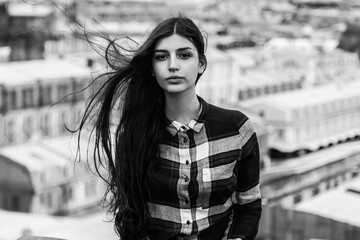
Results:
x,y
131,150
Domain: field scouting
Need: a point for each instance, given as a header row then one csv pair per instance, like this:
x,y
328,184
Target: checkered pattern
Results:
x,y
206,184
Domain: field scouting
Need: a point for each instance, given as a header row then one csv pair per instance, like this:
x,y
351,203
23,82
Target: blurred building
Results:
x,y
39,177
18,225
317,60
339,204
119,10
5,53
37,99
317,3
25,28
216,82
310,119
68,47
261,82
300,179
235,76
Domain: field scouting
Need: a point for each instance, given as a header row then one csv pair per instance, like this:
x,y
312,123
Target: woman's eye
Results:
x,y
161,57
184,55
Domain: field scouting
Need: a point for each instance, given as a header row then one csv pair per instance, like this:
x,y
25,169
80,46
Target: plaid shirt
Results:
x,y
206,185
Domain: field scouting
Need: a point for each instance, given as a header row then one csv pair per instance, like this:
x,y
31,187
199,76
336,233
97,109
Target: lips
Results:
x,y
174,78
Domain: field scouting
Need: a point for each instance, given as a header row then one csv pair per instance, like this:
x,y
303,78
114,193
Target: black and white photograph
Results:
x,y
179,119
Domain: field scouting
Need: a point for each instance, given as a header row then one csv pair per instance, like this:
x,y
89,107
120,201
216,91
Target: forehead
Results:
x,y
174,42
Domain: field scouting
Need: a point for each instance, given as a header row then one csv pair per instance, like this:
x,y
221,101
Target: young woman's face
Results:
x,y
176,64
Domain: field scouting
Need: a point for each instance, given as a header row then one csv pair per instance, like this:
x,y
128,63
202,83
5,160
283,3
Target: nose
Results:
x,y
173,64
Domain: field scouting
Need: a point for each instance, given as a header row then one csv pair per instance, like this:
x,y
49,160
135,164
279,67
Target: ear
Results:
x,y
202,67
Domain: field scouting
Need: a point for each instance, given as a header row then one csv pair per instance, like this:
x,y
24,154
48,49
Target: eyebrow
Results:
x,y
178,50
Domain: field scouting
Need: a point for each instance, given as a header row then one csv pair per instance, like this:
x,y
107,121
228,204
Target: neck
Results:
x,y
182,108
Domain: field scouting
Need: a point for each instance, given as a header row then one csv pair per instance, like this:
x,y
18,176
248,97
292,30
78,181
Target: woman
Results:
x,y
179,168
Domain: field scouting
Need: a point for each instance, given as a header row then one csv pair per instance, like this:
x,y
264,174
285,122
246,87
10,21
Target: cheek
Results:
x,y
157,69
158,78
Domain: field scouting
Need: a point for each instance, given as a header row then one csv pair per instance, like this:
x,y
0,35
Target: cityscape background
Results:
x,y
291,65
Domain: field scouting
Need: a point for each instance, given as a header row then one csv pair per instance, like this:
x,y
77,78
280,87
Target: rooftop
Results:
x,y
45,154
310,161
310,96
20,9
340,204
34,157
260,77
23,72
93,226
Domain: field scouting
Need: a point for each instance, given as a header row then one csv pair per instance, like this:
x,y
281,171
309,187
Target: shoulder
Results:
x,y
224,115
225,119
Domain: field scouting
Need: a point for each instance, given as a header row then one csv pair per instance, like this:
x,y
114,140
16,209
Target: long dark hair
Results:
x,y
130,93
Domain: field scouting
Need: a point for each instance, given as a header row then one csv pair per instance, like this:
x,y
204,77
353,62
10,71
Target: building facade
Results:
x,y
300,179
38,100
310,119
317,60
44,177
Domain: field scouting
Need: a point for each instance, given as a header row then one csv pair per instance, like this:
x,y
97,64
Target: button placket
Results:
x,y
184,144
186,178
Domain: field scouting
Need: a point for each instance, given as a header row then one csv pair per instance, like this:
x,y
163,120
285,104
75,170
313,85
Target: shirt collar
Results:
x,y
195,124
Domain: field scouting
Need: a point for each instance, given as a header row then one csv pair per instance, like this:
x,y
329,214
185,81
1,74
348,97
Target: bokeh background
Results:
x,y
291,65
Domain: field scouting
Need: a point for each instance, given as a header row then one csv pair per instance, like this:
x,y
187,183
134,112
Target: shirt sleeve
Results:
x,y
244,221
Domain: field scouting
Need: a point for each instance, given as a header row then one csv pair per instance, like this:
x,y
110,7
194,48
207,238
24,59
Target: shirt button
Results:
x,y
185,140
187,162
183,128
188,222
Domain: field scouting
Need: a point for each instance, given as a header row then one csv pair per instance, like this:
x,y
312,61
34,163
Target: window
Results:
x,y
281,134
297,198
67,193
28,127
28,97
79,89
49,199
241,95
15,203
355,173
44,125
9,131
63,122
46,92
249,93
315,191
62,92
12,100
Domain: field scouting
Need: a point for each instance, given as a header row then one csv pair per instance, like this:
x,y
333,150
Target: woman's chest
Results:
x,y
200,175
